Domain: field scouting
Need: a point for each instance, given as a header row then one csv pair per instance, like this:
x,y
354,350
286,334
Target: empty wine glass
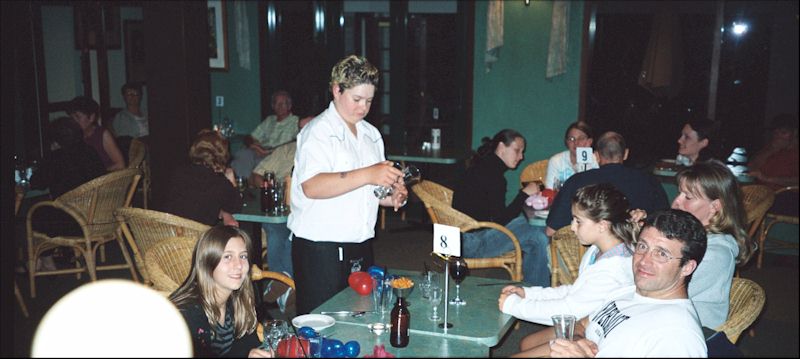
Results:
x,y
434,297
411,175
458,271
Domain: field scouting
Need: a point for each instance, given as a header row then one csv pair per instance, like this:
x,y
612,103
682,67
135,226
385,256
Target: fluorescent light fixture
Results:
x,y
739,29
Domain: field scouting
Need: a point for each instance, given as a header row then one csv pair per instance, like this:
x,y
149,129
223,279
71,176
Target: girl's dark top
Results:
x,y
481,193
198,193
66,168
219,342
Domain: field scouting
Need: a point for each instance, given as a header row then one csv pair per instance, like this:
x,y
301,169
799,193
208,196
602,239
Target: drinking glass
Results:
x,y
411,175
274,331
458,271
435,297
241,185
564,325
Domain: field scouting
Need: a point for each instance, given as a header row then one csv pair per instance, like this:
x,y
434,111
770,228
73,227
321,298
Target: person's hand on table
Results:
x,y
384,174
581,348
506,292
227,219
260,353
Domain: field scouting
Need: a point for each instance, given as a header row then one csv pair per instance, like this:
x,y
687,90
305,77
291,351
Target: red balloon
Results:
x,y
361,282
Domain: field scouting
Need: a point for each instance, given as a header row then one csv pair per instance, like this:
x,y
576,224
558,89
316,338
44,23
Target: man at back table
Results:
x,y
274,131
652,318
642,189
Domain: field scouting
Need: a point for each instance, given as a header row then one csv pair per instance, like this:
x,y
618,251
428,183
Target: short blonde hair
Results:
x,y
352,71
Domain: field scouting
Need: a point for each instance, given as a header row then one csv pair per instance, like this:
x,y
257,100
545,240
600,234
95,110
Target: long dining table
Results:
x,y
477,326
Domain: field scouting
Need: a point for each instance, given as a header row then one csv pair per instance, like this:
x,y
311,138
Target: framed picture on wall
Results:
x,y
217,31
134,51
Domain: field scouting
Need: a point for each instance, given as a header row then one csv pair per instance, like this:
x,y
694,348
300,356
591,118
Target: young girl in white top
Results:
x,y
600,219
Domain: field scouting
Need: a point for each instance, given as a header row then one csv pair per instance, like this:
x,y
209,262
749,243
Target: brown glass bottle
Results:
x,y
401,318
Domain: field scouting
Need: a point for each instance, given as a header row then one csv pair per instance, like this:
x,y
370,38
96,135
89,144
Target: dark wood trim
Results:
x,y
466,19
41,74
398,12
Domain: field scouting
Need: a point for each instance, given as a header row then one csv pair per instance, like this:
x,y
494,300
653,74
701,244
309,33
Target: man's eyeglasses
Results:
x,y
659,255
574,139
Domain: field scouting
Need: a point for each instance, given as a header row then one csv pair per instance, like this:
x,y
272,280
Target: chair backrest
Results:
x,y
143,228
535,171
93,203
565,256
136,153
757,199
168,262
746,302
429,191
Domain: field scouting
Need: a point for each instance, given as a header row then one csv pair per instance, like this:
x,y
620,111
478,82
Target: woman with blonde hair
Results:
x,y
217,299
709,191
205,189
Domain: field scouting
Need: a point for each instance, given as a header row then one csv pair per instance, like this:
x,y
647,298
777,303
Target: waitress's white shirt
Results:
x,y
326,145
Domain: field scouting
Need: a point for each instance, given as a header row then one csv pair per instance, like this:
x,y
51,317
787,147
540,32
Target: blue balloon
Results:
x,y
307,332
327,348
376,272
352,349
337,348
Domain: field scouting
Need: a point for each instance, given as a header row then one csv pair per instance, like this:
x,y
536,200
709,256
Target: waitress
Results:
x,y
338,163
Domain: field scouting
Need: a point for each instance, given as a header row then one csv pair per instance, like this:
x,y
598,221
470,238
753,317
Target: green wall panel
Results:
x,y
515,93
239,86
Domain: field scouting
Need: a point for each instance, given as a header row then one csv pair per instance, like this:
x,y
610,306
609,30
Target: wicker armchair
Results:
x,y
91,205
770,219
18,196
565,257
757,199
143,228
535,171
747,301
137,158
443,213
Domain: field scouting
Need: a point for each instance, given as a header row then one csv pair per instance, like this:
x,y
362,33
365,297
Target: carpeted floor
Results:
x,y
406,245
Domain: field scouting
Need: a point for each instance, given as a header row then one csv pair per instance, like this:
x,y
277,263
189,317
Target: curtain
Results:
x,y
559,31
494,32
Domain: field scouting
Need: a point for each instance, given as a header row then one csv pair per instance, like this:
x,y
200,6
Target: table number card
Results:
x,y
583,155
446,240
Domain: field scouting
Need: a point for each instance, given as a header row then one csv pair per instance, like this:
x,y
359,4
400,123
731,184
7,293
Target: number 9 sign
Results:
x,y
446,240
583,154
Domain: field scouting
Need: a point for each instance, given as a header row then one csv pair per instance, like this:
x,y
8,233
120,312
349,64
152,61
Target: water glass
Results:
x,y
381,296
564,325
435,298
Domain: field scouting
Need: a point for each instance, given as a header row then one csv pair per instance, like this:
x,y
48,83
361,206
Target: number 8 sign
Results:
x,y
446,240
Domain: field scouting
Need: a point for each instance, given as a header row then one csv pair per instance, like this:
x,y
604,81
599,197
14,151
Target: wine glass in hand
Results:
x,y
458,271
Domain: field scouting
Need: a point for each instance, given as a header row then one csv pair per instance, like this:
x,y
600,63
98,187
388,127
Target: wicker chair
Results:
x,y
746,302
770,219
565,257
91,205
535,171
143,228
757,199
169,261
443,213
137,158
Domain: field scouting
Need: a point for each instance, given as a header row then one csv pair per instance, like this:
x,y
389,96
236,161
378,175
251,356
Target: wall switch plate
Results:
x,y
220,101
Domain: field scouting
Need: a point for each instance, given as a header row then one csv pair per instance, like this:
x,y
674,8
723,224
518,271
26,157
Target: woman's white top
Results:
x,y
560,167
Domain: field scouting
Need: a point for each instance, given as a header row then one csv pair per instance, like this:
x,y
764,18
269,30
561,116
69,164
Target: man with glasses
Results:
x,y
654,317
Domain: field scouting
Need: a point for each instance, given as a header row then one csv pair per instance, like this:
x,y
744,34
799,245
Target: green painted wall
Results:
x,y
239,86
515,93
